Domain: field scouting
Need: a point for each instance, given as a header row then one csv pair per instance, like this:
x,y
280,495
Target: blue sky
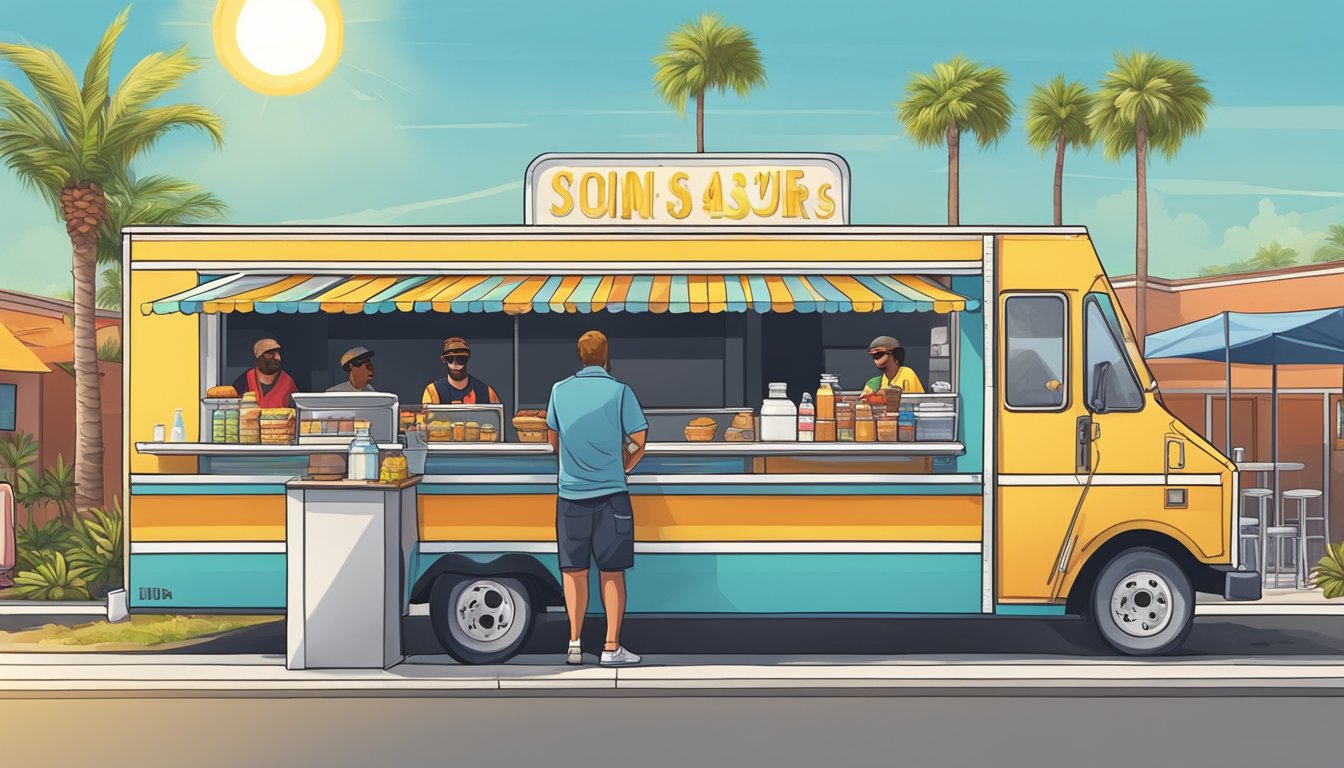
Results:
x,y
436,108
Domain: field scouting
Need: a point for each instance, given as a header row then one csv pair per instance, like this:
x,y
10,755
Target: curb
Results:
x,y
1118,677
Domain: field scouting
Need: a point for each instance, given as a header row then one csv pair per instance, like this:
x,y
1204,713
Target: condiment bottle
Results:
x,y
779,416
806,419
825,398
865,430
179,433
844,422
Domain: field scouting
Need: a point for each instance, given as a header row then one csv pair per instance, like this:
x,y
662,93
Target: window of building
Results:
x,y
9,401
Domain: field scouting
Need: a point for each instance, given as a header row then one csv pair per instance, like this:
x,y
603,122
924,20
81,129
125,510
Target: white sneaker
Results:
x,y
575,654
618,658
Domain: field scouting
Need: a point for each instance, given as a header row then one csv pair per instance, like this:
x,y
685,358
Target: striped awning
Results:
x,y
517,294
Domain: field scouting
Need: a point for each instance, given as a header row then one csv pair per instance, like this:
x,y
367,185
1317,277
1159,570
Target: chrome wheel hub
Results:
x,y
485,611
1141,604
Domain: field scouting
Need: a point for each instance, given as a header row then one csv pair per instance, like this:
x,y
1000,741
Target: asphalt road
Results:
x,y
682,732
1212,636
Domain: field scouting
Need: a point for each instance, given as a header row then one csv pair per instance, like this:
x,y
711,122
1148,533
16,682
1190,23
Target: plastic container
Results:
x,y
935,422
826,397
807,419
416,451
249,419
905,427
362,457
888,429
779,416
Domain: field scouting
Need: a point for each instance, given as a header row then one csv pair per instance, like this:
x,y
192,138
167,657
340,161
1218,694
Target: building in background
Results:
x,y
1309,395
44,402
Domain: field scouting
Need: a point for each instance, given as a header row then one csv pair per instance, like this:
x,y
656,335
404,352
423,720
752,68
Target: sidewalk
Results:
x,y
267,676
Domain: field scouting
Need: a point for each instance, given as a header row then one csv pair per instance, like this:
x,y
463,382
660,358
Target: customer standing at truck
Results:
x,y
598,431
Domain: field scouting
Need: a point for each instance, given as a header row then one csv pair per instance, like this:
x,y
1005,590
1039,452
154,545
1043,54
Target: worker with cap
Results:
x,y
272,385
357,362
458,386
889,357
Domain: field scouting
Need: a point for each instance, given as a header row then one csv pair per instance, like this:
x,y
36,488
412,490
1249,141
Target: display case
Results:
x,y
707,425
331,418
477,423
220,423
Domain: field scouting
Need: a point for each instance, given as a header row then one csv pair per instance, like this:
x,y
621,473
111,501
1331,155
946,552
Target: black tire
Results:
x,y
1142,603
481,619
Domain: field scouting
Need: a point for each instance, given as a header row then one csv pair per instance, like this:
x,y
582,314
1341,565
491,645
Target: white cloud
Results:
x,y
1180,244
391,215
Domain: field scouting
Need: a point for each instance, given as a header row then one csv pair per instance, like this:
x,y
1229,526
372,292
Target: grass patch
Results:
x,y
139,632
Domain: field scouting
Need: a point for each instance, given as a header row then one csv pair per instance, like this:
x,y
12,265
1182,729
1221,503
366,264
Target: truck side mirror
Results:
x,y
1101,373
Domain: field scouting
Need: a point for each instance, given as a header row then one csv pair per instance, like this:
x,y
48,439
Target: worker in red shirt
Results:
x,y
458,386
272,385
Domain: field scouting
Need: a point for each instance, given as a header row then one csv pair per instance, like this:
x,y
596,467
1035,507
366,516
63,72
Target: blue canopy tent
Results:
x,y
1308,337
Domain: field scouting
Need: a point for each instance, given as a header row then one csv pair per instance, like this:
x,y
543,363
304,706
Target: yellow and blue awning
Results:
x,y
518,294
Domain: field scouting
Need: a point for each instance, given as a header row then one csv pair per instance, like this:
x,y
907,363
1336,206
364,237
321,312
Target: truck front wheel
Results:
x,y
1142,603
481,619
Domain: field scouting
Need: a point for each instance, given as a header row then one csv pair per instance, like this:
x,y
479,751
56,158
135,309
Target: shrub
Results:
x,y
36,544
52,579
1328,575
95,549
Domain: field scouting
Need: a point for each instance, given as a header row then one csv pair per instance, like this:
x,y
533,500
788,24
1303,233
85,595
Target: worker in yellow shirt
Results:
x,y
458,386
889,358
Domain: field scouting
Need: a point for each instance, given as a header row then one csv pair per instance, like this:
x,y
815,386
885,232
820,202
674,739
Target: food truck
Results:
x,y
1042,475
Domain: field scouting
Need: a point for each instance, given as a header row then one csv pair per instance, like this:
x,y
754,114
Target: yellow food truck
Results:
x,y
1043,476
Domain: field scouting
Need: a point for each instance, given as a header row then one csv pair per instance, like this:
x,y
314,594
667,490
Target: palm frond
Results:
x,y
1273,256
707,54
134,134
150,78
55,86
1333,249
1163,95
959,93
1056,108
109,297
96,77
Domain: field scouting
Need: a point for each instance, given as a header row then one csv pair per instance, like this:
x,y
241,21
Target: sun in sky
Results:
x,y
278,47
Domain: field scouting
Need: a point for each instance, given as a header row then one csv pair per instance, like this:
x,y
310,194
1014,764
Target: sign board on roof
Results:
x,y
698,189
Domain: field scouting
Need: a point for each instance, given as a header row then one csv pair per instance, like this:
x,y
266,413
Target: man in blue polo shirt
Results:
x,y
598,432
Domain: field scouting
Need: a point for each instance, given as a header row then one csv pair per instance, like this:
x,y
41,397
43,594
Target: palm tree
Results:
x,y
960,95
70,145
705,54
1273,256
1057,117
1333,250
1147,100
161,200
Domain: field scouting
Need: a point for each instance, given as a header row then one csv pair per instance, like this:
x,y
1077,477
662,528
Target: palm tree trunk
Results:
x,y
700,121
953,171
1141,238
84,208
1059,180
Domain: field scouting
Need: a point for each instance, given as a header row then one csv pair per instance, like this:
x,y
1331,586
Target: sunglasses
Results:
x,y
879,355
459,359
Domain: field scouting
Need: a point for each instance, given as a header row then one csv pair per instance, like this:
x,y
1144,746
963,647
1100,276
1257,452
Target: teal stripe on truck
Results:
x,y
208,581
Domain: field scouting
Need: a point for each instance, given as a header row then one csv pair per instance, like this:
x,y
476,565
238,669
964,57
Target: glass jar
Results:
x,y
844,422
887,429
826,398
865,430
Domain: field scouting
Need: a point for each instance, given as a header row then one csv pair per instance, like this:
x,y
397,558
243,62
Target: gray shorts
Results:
x,y
601,529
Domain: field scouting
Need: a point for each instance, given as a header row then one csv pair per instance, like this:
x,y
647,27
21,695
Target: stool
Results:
x,y
1302,496
1252,529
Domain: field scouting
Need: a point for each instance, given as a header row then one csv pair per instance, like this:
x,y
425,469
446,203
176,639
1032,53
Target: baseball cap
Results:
x,y
263,346
456,344
885,342
355,354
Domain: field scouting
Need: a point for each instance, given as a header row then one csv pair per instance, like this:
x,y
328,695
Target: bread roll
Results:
x,y
221,392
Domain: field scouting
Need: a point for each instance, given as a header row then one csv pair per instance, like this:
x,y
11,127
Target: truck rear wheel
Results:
x,y
1142,603
481,619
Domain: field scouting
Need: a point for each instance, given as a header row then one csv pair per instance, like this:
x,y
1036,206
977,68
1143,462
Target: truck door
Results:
x,y
1041,445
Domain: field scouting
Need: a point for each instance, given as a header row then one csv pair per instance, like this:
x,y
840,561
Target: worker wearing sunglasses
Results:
x,y
458,386
889,357
357,363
